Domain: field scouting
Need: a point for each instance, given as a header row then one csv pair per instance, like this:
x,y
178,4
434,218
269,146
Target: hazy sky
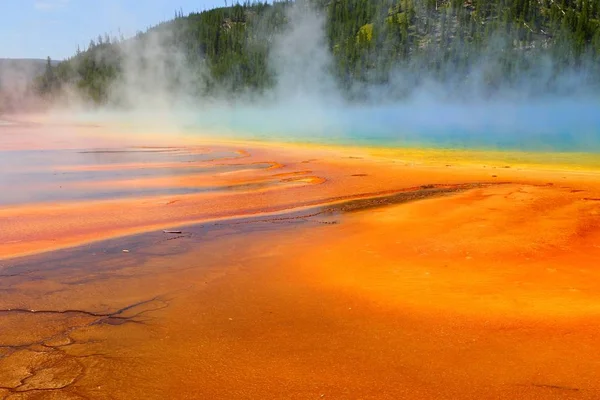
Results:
x,y
41,28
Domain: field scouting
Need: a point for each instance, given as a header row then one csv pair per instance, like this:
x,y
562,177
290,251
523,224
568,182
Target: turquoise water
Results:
x,y
558,125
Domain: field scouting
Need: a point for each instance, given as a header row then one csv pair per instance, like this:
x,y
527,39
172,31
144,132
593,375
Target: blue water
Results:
x,y
550,125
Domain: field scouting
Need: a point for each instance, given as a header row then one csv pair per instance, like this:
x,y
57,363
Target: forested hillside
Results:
x,y
395,45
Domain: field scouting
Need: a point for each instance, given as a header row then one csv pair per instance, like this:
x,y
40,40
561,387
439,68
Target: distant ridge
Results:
x,y
25,62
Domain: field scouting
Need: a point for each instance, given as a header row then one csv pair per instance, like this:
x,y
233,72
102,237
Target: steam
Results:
x,y
302,61
16,77
158,86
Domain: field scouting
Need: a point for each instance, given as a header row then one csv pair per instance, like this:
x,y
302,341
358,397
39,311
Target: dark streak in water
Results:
x,y
557,387
136,150
413,194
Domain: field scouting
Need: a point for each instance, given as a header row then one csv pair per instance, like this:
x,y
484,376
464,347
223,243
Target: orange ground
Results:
x,y
490,292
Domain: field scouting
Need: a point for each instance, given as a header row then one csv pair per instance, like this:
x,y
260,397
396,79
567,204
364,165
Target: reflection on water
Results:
x,y
64,175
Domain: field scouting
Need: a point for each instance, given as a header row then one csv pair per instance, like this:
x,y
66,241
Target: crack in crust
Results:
x,y
58,369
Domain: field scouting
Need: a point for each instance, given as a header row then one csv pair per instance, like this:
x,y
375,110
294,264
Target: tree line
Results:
x,y
491,43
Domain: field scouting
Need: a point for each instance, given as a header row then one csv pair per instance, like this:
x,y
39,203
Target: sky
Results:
x,y
54,28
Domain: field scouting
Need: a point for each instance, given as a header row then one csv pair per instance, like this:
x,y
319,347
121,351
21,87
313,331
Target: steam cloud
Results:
x,y
158,86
